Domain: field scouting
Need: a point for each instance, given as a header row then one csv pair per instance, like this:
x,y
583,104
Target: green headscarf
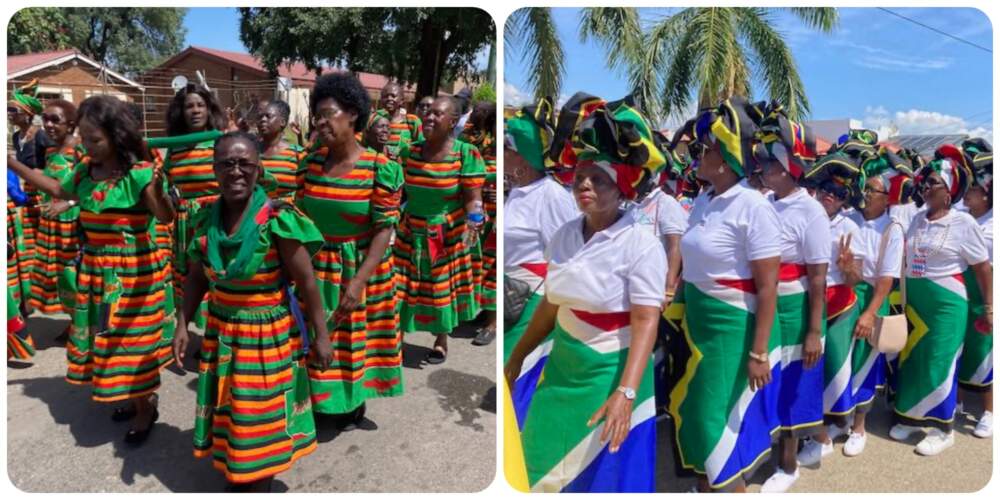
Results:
x,y
529,132
246,239
25,98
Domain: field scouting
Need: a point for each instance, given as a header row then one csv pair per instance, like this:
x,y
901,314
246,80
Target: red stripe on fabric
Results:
x,y
540,269
747,286
791,272
960,278
605,321
839,298
381,385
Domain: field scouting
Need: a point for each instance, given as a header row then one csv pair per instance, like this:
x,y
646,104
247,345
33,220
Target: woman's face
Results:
x,y
935,192
516,168
195,112
773,174
378,133
876,198
440,119
595,191
57,124
270,122
709,163
832,197
97,142
18,117
333,123
424,107
236,166
390,98
976,200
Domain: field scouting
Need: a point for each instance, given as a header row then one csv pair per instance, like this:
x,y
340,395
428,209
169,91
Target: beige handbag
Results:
x,y
891,331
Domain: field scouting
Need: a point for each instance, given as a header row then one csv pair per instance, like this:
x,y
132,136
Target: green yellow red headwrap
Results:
x,y
790,143
733,125
839,173
981,153
955,168
529,132
25,98
617,138
561,157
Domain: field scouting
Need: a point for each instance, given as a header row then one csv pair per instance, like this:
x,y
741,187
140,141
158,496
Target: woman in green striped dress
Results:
x,y
481,134
440,226
404,128
281,160
352,193
253,416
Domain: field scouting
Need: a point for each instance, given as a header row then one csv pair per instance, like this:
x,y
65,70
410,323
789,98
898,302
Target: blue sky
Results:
x,y
875,67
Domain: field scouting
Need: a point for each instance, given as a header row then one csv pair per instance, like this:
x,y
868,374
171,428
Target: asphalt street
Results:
x,y
440,436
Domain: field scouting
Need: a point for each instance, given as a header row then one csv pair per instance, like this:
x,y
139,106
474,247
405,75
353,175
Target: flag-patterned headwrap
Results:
x,y
981,153
955,168
561,158
25,98
835,172
790,143
732,125
619,139
529,132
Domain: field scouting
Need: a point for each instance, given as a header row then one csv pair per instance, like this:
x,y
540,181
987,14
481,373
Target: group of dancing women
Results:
x,y
739,281
302,261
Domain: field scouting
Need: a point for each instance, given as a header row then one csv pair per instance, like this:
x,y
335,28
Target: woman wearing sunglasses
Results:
x,y
731,253
940,245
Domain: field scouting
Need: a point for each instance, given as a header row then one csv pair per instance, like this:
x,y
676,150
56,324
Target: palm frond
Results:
x,y
774,62
684,59
544,50
824,19
617,30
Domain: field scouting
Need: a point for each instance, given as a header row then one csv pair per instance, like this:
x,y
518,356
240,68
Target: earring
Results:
x,y
722,168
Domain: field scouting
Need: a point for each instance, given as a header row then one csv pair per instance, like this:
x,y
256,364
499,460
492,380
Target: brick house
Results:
x,y
69,75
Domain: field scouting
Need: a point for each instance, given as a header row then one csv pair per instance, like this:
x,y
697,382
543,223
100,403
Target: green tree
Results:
x,y
709,53
425,46
128,39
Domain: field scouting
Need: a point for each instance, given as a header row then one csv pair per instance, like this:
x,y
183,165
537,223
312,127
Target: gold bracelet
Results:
x,y
762,357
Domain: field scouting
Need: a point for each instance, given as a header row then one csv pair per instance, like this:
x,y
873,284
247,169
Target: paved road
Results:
x,y
440,436
885,466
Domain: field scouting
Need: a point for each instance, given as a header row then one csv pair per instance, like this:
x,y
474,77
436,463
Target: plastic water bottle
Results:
x,y
475,220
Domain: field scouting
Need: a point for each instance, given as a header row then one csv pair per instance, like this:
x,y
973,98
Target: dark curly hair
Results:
x,y
68,108
346,89
176,125
112,115
484,116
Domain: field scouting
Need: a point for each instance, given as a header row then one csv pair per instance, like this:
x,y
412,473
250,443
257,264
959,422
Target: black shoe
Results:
x,y
63,337
136,438
485,336
123,414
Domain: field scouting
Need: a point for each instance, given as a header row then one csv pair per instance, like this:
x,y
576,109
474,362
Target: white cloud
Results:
x,y
513,96
881,59
918,121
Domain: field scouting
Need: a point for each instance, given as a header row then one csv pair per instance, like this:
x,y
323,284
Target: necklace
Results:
x,y
923,250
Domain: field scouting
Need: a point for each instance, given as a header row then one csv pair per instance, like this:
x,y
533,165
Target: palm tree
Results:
x,y
714,51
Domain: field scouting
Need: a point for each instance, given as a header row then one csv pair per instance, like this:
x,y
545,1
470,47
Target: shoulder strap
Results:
x,y
881,257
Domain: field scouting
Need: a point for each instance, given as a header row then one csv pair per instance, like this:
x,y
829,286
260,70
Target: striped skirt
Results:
x,y
975,370
437,289
180,240
563,454
30,217
927,387
19,344
18,277
724,430
117,344
842,309
531,368
57,247
800,397
367,348
253,415
868,366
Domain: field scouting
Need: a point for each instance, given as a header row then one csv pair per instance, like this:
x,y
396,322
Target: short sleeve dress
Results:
x,y
253,411
117,344
58,240
402,134
285,168
348,211
437,287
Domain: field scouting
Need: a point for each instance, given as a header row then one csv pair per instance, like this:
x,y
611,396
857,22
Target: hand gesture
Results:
x,y
845,257
296,129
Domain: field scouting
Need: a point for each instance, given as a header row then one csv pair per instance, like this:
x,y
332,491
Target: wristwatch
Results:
x,y
627,391
762,357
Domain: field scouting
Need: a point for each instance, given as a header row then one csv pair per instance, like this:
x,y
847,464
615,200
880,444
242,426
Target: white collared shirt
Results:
x,y
949,244
661,214
531,215
805,229
842,226
986,226
871,242
904,214
728,231
621,266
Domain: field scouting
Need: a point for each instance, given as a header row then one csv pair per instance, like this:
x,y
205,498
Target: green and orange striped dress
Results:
x,y
402,134
253,415
434,267
19,344
485,259
18,277
58,237
349,210
189,169
285,168
31,214
117,344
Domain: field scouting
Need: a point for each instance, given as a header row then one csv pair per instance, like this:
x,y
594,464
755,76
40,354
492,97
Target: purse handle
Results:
x,y
881,257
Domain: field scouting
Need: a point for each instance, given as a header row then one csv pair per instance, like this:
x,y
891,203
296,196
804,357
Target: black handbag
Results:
x,y
515,296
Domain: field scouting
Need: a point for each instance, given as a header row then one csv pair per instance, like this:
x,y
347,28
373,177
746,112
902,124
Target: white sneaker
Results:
x,y
813,451
779,482
935,442
984,428
901,432
835,432
855,444
959,409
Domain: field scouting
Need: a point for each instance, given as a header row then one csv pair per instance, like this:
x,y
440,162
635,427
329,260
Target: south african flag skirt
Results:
x,y
531,368
937,310
563,454
975,370
724,430
868,365
800,398
842,309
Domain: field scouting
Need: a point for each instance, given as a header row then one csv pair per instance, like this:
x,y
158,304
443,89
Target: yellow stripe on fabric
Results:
x,y
919,330
514,468
729,139
679,394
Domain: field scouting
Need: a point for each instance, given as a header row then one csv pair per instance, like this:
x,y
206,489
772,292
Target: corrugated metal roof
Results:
x,y
25,61
925,145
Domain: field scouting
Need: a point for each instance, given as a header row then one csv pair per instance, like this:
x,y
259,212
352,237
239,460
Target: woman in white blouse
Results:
x,y
785,155
536,206
940,245
590,426
731,253
975,371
